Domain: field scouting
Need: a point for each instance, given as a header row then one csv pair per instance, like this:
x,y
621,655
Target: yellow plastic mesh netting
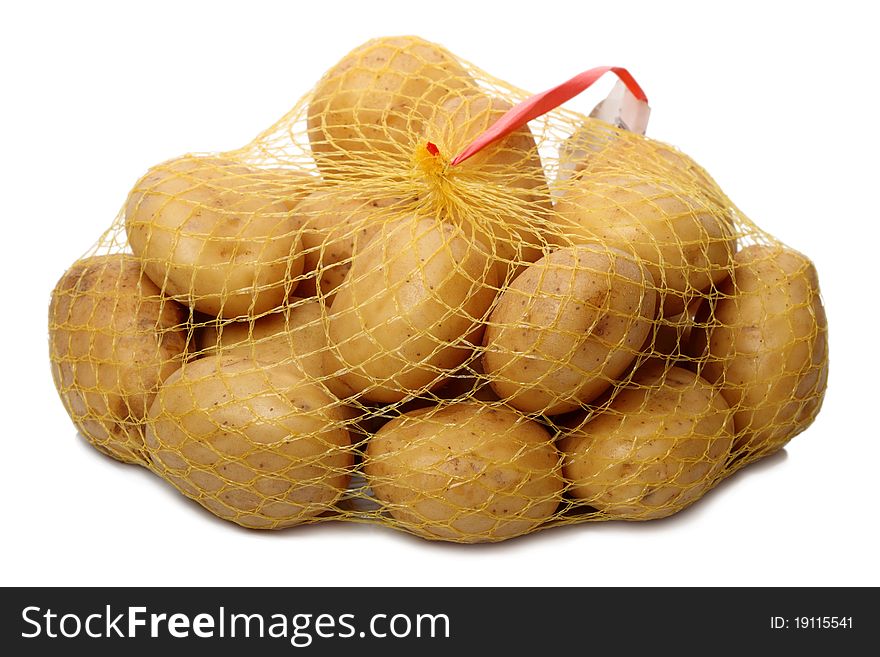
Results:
x,y
334,323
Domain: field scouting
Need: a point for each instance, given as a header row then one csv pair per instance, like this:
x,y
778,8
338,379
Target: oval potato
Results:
x,y
410,310
216,235
466,472
369,109
764,341
113,340
597,147
253,444
567,328
296,335
684,241
660,444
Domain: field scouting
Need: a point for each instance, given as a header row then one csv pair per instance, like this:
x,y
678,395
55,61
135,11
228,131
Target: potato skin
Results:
x,y
112,341
567,328
686,243
598,147
216,235
335,225
764,341
294,336
371,106
410,310
659,446
253,444
465,472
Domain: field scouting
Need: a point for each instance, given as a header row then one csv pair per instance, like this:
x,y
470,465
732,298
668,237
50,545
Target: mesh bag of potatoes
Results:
x,y
340,322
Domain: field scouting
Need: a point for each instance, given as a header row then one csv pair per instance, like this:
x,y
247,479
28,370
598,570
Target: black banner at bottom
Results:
x,y
434,621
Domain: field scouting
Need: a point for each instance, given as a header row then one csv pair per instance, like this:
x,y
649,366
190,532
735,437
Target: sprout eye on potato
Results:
x,y
113,340
468,472
660,444
567,328
215,235
253,443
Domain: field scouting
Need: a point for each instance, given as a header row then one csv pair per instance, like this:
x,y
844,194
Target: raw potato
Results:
x,y
410,310
601,147
684,240
508,174
372,105
216,235
295,335
336,224
466,472
112,340
252,443
659,446
767,346
567,328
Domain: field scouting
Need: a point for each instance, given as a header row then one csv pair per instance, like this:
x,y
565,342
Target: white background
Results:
x,y
779,103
